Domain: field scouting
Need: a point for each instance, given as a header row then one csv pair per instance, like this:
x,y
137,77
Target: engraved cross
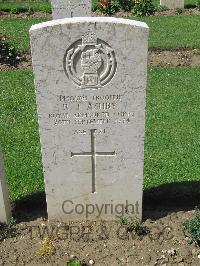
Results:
x,y
93,154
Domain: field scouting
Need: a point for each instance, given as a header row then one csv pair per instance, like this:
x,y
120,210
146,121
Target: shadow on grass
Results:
x,y
158,202
188,6
168,198
30,208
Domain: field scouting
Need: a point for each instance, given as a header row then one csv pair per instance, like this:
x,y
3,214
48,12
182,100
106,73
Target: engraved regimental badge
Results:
x,y
90,62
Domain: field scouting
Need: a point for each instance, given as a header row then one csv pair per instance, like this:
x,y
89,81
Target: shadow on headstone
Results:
x,y
30,208
168,198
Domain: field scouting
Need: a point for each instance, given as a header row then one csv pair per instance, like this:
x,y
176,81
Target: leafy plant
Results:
x,y
74,262
179,11
126,5
162,8
133,225
8,231
198,4
22,9
192,228
94,6
123,221
143,7
8,53
137,228
108,7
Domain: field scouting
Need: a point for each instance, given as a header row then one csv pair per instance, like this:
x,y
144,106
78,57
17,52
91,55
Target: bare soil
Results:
x,y
157,57
174,57
24,63
107,243
171,12
25,15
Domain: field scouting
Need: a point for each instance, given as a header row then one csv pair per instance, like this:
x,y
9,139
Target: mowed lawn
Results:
x,y
45,6
22,6
165,32
172,143
19,133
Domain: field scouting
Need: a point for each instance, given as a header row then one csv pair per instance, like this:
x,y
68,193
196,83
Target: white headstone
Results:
x,y
90,77
172,4
71,8
5,209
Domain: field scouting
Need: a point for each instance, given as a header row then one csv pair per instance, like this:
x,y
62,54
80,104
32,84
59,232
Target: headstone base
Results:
x,y
172,4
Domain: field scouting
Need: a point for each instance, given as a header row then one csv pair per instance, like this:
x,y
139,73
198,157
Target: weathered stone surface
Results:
x,y
90,77
5,210
71,8
171,4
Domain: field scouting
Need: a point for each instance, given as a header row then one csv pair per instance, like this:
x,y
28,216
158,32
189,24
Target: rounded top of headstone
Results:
x,y
75,20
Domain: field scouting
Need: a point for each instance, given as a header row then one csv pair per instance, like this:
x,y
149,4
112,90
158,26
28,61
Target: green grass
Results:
x,y
35,6
165,32
18,30
173,32
173,124
19,133
172,143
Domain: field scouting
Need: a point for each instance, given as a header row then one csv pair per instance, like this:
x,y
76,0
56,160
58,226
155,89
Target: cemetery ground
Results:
x,y
172,172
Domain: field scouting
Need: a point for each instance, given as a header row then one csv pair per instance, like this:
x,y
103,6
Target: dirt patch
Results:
x,y
174,58
25,15
173,12
106,243
157,57
24,63
170,12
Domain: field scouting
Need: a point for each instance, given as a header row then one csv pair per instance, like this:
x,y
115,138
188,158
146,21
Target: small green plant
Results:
x,y
191,228
74,262
123,221
198,4
94,6
12,222
143,8
162,8
126,5
179,11
8,53
136,227
8,231
22,9
133,225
